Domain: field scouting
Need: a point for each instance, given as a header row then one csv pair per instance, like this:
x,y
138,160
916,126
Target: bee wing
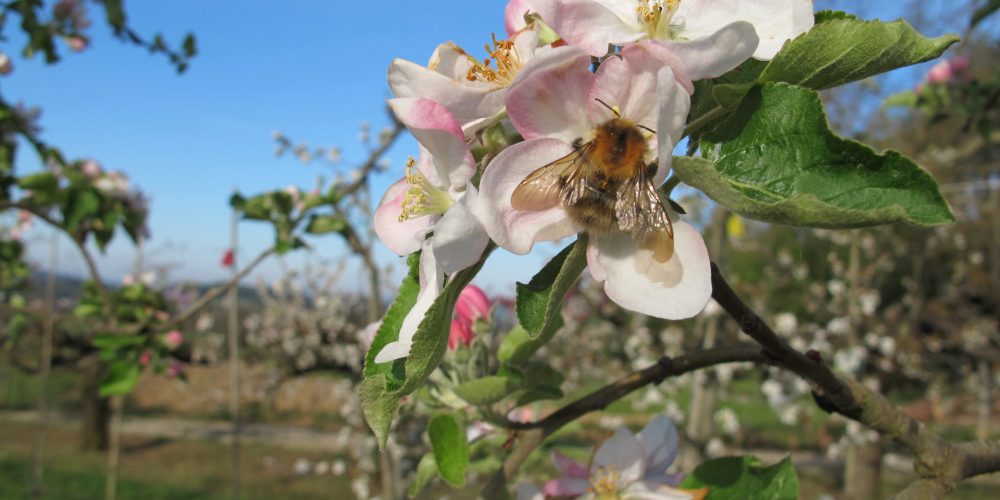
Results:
x,y
544,188
640,213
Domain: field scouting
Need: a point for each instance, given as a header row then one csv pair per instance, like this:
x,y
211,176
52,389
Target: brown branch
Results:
x,y
107,301
376,154
939,464
214,293
530,435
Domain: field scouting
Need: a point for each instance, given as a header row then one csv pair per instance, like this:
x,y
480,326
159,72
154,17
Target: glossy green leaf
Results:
x,y
781,163
847,49
81,204
388,331
451,452
487,390
745,478
539,303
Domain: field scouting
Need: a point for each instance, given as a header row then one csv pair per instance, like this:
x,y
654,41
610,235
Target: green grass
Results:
x,y
16,479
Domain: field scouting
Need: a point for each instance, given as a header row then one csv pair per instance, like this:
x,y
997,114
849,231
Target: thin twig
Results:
x,y
220,289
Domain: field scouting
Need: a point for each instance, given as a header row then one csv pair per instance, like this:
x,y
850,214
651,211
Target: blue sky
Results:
x,y
313,69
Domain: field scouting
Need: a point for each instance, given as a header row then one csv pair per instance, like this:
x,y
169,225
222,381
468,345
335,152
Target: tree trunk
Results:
x,y
94,427
863,470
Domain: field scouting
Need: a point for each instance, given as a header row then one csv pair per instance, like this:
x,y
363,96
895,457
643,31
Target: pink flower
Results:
x,y
77,43
173,339
514,15
472,304
175,369
145,358
946,71
92,169
557,102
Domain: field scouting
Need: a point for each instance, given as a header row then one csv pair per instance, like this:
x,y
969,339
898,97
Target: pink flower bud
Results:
x,y
77,43
940,73
6,67
472,304
145,358
91,169
173,339
461,333
176,369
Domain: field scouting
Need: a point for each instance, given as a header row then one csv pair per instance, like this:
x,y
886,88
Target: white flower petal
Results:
x,y
620,453
467,101
591,24
775,21
651,490
441,134
675,103
659,440
431,284
404,237
676,289
545,99
716,54
459,238
518,230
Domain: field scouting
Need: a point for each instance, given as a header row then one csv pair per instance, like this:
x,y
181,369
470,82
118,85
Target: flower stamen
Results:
x,y
507,62
423,198
656,15
605,483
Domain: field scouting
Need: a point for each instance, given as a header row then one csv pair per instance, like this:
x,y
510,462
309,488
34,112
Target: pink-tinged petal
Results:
x,y
568,467
526,491
630,83
437,130
514,15
431,284
518,230
775,21
565,487
592,24
451,60
545,99
676,289
675,103
718,53
659,440
459,237
620,452
466,100
472,304
405,237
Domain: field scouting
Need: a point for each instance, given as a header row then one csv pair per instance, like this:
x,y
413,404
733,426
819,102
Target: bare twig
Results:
x,y
531,435
214,293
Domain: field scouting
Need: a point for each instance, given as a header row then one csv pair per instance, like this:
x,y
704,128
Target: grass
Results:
x,y
157,468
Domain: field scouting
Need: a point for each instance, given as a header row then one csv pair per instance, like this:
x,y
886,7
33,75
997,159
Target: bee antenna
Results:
x,y
646,129
606,105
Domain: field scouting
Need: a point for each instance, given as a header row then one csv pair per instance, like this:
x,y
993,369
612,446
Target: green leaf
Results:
x,y
539,303
379,406
388,331
120,379
780,163
426,470
832,15
744,478
115,13
846,49
984,12
80,206
322,224
487,390
42,182
117,341
451,452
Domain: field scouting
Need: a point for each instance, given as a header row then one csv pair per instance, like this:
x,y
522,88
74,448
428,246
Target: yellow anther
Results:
x,y
656,15
423,198
605,483
507,62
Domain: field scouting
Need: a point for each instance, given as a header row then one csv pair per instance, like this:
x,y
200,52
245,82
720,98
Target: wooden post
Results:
x,y
234,363
45,368
114,449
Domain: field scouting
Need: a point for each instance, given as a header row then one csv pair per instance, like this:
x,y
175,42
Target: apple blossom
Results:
x,y
558,102
626,466
472,90
594,24
436,193
514,15
6,67
173,339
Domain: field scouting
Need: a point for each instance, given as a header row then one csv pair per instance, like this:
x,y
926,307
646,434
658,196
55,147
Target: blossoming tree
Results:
x,y
581,124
